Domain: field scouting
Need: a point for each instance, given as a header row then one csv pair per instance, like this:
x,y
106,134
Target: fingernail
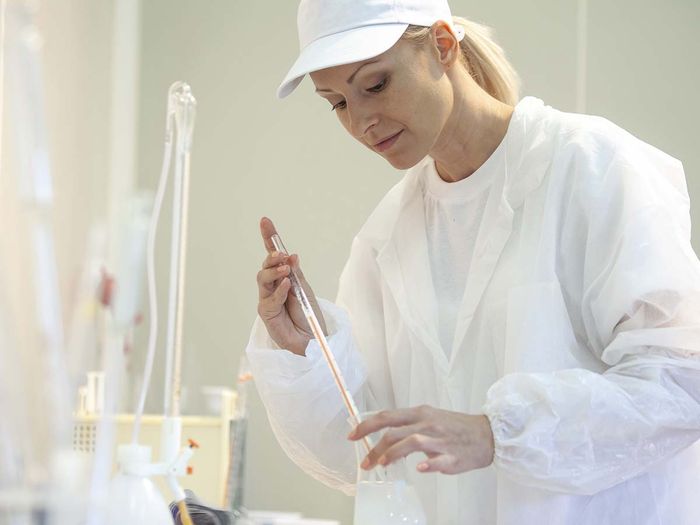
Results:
x,y
423,467
275,254
352,434
282,269
365,463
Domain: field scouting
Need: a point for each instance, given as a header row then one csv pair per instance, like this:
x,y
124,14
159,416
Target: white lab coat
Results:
x,y
578,337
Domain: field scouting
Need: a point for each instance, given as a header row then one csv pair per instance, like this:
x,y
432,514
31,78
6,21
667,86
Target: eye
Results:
x,y
377,88
339,105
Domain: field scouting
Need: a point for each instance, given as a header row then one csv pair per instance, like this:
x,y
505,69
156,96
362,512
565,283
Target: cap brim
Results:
x,y
338,49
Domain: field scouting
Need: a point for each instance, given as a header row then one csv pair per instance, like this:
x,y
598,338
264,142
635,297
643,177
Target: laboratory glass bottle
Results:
x,y
383,495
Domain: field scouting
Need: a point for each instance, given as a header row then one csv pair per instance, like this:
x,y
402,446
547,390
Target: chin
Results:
x,y
404,162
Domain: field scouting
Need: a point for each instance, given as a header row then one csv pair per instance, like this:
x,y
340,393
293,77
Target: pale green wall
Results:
x,y
255,155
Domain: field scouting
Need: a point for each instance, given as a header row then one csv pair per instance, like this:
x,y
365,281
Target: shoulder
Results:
x,y
605,164
609,178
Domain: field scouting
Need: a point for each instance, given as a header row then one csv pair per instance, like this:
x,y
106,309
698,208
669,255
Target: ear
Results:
x,y
445,42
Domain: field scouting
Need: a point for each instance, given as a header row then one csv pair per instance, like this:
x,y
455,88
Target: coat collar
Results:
x,y
403,259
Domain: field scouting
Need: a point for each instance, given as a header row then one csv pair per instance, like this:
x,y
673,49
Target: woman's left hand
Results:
x,y
453,442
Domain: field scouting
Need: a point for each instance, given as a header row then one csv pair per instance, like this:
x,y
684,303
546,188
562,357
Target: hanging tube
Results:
x,y
151,269
184,107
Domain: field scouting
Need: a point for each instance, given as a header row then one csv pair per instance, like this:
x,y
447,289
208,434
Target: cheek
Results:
x,y
422,124
430,115
344,121
419,106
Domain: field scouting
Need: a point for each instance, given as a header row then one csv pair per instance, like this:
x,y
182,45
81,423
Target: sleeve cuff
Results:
x,y
278,370
508,414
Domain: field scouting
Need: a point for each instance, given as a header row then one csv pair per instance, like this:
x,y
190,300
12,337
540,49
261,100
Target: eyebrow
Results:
x,y
351,78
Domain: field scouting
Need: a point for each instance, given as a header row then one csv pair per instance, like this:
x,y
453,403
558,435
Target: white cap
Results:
x,y
336,32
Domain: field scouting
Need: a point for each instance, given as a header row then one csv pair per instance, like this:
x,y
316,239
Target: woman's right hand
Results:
x,y
277,307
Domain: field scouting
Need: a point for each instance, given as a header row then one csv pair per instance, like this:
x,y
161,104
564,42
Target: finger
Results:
x,y
444,463
391,437
409,445
272,305
293,262
274,259
267,230
387,418
296,268
267,279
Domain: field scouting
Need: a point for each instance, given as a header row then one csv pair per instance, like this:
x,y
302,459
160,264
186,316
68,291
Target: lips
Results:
x,y
388,142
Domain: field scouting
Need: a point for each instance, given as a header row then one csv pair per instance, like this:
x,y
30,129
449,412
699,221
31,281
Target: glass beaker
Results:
x,y
383,495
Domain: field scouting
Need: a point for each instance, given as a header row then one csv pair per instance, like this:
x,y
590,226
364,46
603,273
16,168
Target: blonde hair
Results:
x,y
482,56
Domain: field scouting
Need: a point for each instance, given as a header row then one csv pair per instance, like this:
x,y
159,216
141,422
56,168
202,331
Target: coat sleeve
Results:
x,y
577,431
303,405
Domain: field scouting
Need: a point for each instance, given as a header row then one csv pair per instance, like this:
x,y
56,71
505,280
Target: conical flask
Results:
x,y
383,495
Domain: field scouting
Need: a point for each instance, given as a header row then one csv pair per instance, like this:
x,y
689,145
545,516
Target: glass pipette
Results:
x,y
315,326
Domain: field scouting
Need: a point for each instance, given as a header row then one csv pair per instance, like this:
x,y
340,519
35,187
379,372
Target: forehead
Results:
x,y
340,74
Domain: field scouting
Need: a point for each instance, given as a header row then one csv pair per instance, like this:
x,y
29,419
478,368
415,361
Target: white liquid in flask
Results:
x,y
384,496
387,503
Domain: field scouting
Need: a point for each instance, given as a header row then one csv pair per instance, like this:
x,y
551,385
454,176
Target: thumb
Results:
x,y
295,264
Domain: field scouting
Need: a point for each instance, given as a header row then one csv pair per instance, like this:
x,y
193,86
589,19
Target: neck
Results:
x,y
475,128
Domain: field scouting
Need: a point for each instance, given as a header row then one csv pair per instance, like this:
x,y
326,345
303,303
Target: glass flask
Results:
x,y
383,495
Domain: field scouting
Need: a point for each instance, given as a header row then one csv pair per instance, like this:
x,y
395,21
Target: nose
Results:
x,y
362,118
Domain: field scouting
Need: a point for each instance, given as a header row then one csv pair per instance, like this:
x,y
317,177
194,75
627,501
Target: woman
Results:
x,y
524,306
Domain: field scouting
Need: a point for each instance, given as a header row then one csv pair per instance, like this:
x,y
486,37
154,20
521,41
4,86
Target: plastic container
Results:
x,y
133,497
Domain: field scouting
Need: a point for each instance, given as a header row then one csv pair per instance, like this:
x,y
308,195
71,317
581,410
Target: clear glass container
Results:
x,y
383,495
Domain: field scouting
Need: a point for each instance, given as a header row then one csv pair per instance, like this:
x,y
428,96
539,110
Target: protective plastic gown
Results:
x,y
578,337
